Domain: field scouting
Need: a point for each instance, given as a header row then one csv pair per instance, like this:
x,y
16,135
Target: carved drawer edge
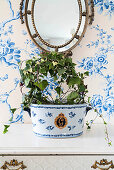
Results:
x,y
104,163
13,163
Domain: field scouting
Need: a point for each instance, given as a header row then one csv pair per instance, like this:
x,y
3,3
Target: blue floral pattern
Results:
x,y
33,114
50,128
9,51
71,127
10,55
4,77
34,50
105,103
80,121
42,121
49,114
96,65
106,6
71,114
33,125
51,87
7,31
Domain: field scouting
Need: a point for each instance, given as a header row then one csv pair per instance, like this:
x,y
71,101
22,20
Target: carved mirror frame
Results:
x,y
88,14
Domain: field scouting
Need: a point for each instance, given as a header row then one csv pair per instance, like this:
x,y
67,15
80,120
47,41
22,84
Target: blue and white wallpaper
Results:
x,y
95,54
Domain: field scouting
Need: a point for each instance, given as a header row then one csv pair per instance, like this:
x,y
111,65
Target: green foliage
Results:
x,y
58,90
86,73
105,123
62,70
13,110
109,144
6,128
74,80
27,80
72,96
89,98
88,125
59,67
42,85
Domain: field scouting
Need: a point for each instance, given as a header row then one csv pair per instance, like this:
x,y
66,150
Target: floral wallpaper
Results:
x,y
97,65
96,57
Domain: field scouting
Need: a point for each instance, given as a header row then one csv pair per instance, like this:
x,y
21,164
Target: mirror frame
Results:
x,y
88,14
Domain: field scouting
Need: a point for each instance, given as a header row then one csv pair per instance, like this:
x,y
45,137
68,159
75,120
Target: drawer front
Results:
x,y
57,162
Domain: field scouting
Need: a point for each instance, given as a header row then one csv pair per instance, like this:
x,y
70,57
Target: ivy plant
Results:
x,y
59,67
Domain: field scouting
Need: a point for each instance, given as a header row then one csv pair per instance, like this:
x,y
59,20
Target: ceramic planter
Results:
x,y
58,121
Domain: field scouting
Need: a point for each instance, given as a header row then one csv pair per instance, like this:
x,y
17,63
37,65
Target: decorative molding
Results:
x,y
92,12
103,162
21,13
13,163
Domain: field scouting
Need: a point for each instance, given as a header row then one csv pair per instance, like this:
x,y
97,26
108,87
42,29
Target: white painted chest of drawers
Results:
x,y
55,154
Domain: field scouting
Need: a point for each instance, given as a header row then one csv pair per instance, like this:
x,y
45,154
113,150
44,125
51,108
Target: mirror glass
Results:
x,y
56,20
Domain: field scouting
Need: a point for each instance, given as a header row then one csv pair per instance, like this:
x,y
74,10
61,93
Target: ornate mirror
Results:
x,y
57,25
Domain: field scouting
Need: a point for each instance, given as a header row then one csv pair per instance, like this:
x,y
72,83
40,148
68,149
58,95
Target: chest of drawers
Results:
x,y
20,149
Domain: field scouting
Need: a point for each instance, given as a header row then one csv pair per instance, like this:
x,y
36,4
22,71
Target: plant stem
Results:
x,y
64,94
37,72
106,129
50,97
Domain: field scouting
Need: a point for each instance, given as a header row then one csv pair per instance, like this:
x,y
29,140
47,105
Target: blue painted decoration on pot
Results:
x,y
67,120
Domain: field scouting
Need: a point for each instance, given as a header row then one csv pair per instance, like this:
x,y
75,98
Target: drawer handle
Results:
x,y
103,162
13,163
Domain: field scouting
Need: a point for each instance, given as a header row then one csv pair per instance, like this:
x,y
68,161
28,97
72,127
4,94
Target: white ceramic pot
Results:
x,y
58,121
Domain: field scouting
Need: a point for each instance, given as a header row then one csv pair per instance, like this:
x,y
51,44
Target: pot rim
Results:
x,y
53,106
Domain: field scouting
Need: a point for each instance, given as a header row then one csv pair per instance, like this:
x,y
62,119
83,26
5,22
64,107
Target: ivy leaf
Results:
x,y
42,70
105,123
39,102
88,126
72,96
68,60
27,67
86,73
62,62
27,80
50,66
55,78
13,110
6,128
54,63
61,71
42,85
82,88
58,90
110,144
73,81
95,110
89,98
11,119
30,70
29,62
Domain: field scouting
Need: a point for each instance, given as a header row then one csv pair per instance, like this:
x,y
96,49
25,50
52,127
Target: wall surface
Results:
x,y
95,54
